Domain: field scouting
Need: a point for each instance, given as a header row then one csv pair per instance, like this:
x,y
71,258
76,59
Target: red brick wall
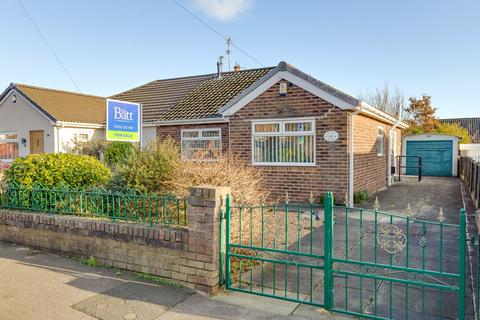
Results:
x,y
371,169
175,132
331,170
332,160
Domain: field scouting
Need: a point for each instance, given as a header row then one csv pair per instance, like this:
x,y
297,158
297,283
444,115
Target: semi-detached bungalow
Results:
x,y
303,134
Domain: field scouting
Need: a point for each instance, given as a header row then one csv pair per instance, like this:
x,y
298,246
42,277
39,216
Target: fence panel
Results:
x,y
470,174
130,205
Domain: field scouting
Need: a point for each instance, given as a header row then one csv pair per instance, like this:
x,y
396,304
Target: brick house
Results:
x,y
303,134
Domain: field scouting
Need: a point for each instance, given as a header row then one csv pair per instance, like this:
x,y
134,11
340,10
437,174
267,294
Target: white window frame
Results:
x,y
199,138
10,141
76,136
282,133
380,154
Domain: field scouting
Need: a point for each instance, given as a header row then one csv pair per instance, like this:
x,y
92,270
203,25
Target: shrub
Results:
x,y
118,152
246,182
93,148
360,196
151,168
52,170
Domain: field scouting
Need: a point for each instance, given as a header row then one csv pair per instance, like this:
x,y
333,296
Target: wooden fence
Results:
x,y
470,174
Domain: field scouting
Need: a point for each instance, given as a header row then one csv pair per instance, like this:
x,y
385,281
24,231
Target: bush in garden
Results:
x,y
361,196
227,170
118,152
53,170
93,148
152,168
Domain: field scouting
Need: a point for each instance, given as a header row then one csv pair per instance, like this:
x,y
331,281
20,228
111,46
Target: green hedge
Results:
x,y
53,170
118,152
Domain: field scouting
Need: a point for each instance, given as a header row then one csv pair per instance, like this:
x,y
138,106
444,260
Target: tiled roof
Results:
x,y
212,94
471,124
66,106
186,98
193,97
157,97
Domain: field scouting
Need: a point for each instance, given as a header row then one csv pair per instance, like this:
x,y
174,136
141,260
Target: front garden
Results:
x,y
120,181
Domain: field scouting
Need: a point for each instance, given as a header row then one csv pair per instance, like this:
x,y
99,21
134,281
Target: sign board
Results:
x,y
331,136
123,121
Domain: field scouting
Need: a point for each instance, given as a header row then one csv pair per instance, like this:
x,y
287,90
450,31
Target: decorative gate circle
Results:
x,y
391,238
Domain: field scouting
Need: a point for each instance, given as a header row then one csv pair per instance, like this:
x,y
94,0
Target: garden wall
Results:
x,y
187,255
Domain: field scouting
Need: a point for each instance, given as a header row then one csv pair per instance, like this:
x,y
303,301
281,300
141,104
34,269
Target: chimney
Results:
x,y
219,67
236,67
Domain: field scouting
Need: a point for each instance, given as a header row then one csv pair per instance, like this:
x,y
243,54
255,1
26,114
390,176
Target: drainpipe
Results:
x,y
390,135
351,145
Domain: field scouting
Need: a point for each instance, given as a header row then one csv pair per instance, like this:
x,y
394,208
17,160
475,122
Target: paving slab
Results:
x,y
275,306
131,301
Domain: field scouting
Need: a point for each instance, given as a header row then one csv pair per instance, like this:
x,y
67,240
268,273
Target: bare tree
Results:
x,y
385,99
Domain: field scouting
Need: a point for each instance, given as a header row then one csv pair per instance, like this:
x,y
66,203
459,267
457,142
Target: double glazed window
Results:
x,y
8,146
380,142
82,137
201,144
284,142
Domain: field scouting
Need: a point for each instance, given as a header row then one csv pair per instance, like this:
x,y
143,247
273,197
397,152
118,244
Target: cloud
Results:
x,y
224,10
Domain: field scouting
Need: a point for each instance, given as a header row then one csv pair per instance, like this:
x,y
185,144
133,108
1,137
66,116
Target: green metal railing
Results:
x,y
354,261
272,249
405,268
129,205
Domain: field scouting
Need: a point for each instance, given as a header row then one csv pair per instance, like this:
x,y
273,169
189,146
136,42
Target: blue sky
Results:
x,y
426,46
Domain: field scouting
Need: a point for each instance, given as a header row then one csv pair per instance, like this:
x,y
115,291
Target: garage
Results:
x,y
437,151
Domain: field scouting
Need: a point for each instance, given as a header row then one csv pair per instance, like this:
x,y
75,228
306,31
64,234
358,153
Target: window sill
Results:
x,y
283,164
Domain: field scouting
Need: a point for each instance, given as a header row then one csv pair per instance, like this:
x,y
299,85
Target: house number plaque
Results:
x,y
331,136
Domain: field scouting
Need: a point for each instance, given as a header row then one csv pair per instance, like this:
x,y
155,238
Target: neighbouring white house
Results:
x,y
40,120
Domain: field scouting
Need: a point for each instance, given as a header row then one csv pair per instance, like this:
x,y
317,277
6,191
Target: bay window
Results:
x,y
201,144
284,142
8,146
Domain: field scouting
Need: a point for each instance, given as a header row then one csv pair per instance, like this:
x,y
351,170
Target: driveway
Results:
x,y
430,246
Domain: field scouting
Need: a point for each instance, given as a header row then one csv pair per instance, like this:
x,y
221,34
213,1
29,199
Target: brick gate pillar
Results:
x,y
203,223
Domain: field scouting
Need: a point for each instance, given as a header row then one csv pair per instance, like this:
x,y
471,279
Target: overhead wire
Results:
x,y
218,33
49,46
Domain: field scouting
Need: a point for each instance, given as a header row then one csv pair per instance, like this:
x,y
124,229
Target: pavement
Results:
x,y
36,285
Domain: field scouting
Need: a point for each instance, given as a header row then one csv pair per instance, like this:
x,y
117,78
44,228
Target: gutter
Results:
x,y
380,115
359,109
79,125
187,121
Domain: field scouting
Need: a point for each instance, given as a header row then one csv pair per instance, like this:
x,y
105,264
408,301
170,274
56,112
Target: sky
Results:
x,y
418,46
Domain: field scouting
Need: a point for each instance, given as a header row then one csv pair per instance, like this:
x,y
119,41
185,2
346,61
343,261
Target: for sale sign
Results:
x,y
123,121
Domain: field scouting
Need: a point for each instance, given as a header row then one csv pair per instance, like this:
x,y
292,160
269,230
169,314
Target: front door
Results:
x,y
36,141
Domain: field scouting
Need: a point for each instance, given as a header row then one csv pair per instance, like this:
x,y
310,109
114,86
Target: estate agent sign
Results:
x,y
123,121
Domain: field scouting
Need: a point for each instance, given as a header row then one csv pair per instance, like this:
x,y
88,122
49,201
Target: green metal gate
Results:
x,y
355,261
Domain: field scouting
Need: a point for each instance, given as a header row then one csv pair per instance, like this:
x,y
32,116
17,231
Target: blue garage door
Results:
x,y
436,157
